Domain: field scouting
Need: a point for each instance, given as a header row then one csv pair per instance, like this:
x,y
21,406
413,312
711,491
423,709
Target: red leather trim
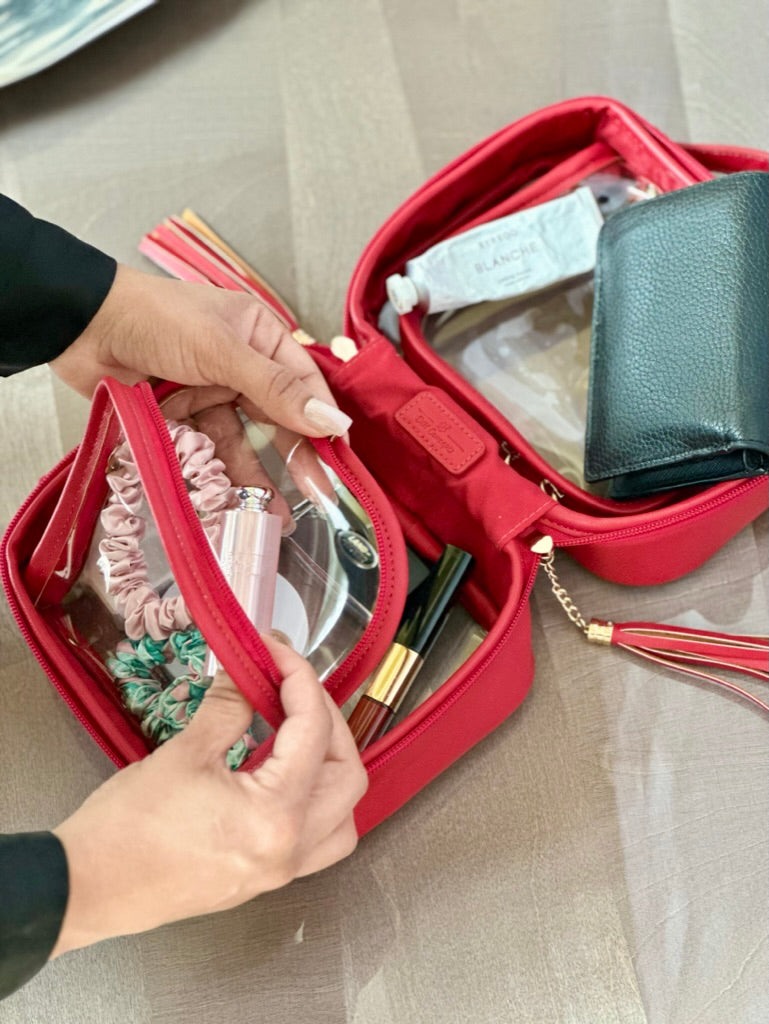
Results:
x,y
728,159
58,558
437,429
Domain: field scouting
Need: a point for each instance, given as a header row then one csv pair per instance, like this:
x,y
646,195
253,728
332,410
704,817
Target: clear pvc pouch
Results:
x,y
311,550
530,356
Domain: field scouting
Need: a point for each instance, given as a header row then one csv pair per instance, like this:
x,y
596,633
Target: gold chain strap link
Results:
x,y
597,631
562,594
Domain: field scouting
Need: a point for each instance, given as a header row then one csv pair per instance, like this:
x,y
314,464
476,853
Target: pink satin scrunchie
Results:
x,y
122,560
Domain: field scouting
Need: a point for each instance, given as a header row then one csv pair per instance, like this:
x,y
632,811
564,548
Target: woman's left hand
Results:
x,y
200,335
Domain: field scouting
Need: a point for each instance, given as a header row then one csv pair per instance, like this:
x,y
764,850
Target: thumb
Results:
x,y
296,400
222,718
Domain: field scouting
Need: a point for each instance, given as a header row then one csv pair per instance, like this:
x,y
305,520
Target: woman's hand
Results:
x,y
178,834
201,335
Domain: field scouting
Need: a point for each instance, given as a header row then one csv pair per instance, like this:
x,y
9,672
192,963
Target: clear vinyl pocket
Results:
x,y
252,527
530,360
527,356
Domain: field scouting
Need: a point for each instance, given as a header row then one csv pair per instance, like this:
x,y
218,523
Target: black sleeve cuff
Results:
x,y
34,884
51,285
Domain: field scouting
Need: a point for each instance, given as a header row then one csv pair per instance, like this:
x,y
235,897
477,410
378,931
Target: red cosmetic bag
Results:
x,y
432,462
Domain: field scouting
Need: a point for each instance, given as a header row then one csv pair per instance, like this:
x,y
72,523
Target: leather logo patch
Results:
x,y
440,432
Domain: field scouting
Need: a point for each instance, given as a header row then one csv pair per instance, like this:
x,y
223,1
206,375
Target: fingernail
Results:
x,y
280,636
303,337
288,527
327,417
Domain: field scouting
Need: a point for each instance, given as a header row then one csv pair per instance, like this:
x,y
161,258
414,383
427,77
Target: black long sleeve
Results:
x,y
33,897
51,285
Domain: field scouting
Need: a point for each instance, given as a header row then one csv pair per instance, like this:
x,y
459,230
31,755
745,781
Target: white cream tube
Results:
x,y
505,258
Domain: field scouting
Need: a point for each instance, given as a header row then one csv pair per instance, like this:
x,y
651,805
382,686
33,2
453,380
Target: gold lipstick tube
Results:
x,y
420,622
376,707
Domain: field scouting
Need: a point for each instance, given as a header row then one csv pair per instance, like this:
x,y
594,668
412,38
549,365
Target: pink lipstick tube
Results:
x,y
248,557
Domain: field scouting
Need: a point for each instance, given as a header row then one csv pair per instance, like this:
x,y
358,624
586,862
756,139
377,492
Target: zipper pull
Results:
x,y
690,651
343,348
544,547
303,338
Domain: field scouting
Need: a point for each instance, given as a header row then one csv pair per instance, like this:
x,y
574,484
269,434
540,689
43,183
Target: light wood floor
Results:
x,y
602,857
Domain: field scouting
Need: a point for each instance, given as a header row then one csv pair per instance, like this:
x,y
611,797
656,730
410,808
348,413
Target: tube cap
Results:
x,y
402,292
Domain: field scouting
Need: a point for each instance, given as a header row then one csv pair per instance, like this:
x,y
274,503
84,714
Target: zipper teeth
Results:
x,y
32,642
364,645
229,603
405,741
631,531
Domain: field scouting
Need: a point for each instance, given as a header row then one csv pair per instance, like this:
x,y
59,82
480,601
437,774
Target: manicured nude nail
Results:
x,y
289,527
303,337
327,417
280,636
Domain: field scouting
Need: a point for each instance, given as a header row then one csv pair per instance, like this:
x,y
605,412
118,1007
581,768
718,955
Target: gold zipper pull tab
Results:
x,y
343,348
303,338
597,631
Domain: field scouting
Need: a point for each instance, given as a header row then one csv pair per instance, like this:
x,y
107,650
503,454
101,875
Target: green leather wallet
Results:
x,y
679,365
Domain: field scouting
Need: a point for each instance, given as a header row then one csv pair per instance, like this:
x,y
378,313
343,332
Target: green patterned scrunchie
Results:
x,y
165,704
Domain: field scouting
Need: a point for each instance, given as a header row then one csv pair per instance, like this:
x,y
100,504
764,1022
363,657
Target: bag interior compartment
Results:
x,y
539,412
528,357
481,611
559,145
126,644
